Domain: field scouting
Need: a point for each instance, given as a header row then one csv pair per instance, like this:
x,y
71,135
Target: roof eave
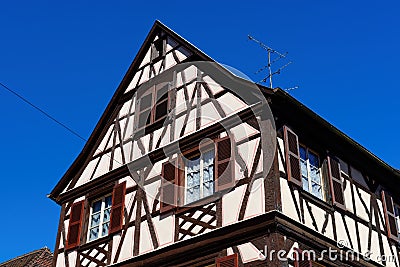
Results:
x,y
318,119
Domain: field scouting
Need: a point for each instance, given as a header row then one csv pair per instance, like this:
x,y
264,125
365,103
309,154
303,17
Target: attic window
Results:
x,y
153,106
157,49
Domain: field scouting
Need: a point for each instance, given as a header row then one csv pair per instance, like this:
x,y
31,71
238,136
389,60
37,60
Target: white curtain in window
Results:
x,y
208,173
193,180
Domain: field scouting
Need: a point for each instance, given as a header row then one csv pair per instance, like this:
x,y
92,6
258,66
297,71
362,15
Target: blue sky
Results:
x,y
68,58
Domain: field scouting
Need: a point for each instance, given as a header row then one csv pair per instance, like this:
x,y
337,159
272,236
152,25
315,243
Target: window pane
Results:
x,y
144,118
208,189
161,110
208,165
208,173
317,190
145,101
305,184
193,179
94,233
303,153
304,170
106,217
315,175
314,161
104,231
108,202
162,93
193,172
95,219
209,158
192,194
96,206
344,167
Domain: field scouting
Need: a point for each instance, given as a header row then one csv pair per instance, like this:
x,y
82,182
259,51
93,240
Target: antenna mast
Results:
x,y
270,51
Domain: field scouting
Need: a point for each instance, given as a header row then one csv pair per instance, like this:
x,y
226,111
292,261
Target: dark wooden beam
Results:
x,y
158,154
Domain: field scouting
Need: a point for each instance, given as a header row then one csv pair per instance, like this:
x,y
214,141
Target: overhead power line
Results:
x,y
50,117
43,112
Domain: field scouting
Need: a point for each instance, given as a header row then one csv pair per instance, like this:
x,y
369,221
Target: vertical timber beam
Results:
x,y
59,232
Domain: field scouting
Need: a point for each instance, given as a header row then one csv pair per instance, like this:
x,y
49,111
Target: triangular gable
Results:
x,y
109,131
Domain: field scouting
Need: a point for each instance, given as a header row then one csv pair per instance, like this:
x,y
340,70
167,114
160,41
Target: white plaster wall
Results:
x,y
231,205
281,155
366,198
60,260
319,217
256,203
209,114
72,256
230,103
145,244
127,245
165,229
288,202
348,197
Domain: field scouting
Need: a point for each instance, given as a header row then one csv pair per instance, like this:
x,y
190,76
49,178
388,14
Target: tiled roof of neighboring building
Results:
x,y
37,258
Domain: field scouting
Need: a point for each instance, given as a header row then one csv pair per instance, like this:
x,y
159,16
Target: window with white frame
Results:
x,y
199,176
311,172
99,220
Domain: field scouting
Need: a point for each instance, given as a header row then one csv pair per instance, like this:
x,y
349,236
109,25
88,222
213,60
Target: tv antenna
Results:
x,y
271,53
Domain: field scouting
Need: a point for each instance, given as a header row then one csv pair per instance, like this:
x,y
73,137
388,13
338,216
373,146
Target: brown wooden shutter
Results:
x,y
292,156
224,164
228,261
302,259
169,194
117,208
390,217
75,225
336,183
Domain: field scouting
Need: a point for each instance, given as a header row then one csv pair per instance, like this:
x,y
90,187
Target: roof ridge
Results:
x,y
112,104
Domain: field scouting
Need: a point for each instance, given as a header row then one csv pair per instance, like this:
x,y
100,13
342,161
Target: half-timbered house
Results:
x,y
169,177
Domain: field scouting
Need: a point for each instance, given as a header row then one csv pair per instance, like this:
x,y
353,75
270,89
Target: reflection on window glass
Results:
x,y
311,173
192,180
199,177
208,173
